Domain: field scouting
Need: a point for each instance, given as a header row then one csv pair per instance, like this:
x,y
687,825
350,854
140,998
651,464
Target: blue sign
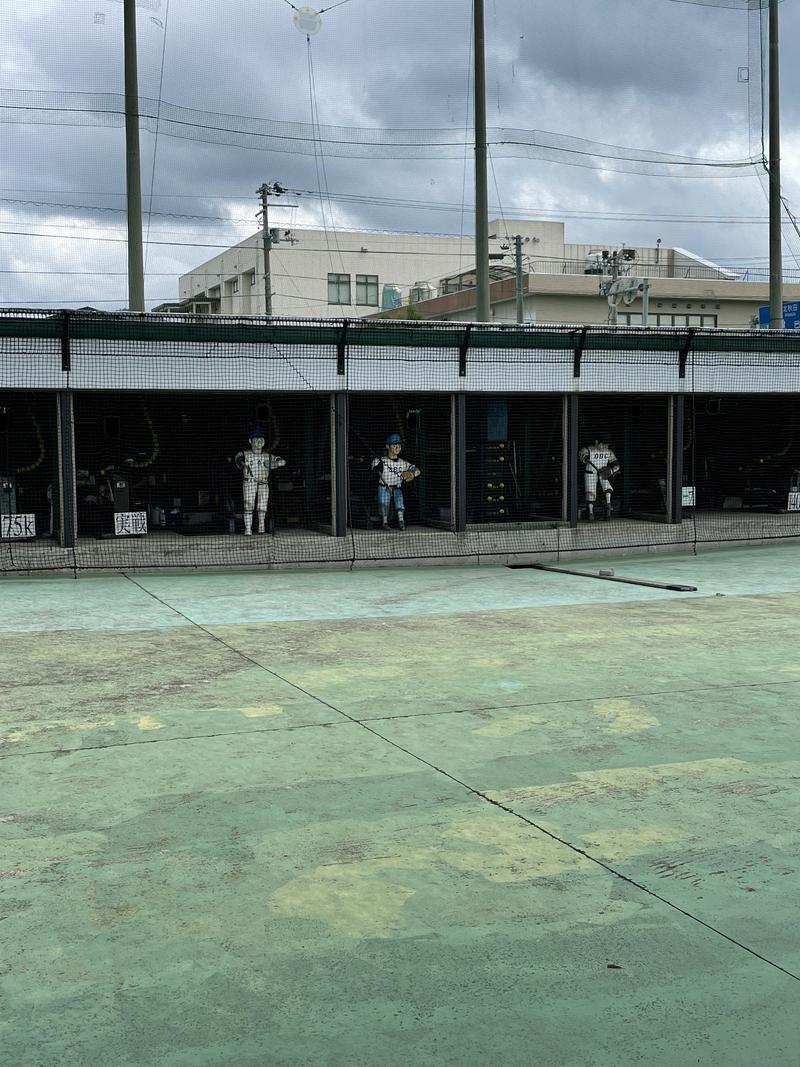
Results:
x,y
791,315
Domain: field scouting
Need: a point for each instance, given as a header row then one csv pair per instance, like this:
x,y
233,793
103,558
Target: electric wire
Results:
x,y
396,202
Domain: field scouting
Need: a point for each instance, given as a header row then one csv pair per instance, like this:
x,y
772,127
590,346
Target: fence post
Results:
x,y
66,354
459,465
675,459
570,437
341,349
66,468
463,348
340,489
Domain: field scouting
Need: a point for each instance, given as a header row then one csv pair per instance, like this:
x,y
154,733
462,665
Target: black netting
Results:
x,y
514,459
623,457
741,469
149,441
30,500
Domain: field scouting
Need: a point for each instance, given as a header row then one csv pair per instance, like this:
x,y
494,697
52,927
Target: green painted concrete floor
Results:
x,y
402,817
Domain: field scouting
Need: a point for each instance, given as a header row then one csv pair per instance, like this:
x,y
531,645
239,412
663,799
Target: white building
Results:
x,y
353,274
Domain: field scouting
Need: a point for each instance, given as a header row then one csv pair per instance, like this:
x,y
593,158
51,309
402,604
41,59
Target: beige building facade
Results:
x,y
355,274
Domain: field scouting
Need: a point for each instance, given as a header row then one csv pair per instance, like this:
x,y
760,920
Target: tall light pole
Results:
x,y
132,165
482,309
775,251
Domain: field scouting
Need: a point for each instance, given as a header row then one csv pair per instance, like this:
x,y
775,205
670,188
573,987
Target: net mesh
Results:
x,y
141,441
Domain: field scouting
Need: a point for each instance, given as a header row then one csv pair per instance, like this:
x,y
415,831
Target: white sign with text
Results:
x,y
130,523
794,502
13,526
687,496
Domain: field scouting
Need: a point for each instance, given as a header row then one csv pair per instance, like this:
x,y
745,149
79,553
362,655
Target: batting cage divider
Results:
x,y
144,440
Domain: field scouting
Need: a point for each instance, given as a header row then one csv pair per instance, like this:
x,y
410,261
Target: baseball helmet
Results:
x,y
393,439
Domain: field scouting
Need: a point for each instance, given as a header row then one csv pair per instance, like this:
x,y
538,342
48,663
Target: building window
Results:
x,y
367,290
338,288
252,279
631,318
235,286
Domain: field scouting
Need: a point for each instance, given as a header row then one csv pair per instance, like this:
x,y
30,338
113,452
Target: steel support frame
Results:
x,y
570,462
675,458
339,479
66,465
458,478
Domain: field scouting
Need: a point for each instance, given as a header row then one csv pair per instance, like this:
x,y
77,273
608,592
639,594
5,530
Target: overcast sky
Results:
x,y
650,75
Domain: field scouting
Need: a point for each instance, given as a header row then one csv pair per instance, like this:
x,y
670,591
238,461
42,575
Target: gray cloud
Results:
x,y
646,73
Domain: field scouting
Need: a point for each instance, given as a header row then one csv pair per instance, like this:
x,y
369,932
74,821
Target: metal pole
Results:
x,y
339,488
459,462
267,237
570,459
132,164
612,307
645,301
675,458
518,271
482,307
775,260
66,463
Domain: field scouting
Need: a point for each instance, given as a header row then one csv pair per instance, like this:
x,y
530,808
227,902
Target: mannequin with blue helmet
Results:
x,y
392,472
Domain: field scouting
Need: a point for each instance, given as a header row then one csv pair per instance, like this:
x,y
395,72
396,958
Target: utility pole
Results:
x,y
612,307
264,192
132,165
482,308
518,273
775,253
645,301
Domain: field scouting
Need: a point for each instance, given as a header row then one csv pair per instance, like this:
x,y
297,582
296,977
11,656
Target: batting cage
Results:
x,y
194,464
29,472
399,461
163,441
515,458
742,464
623,456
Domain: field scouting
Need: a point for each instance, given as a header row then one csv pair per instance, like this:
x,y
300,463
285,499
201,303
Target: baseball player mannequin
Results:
x,y
600,464
393,472
255,465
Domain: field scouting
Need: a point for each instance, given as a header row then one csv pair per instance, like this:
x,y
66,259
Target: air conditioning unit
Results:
x,y
421,291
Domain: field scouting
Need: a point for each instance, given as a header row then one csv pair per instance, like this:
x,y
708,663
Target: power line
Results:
x,y
533,214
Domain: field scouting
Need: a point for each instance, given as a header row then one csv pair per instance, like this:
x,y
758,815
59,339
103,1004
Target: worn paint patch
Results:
x,y
349,898
32,854
514,724
29,730
147,722
510,852
619,780
624,716
340,675
261,711
620,844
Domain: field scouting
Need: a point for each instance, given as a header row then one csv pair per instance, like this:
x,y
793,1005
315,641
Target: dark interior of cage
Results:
x,y
183,461
29,466
422,422
623,456
742,453
514,458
